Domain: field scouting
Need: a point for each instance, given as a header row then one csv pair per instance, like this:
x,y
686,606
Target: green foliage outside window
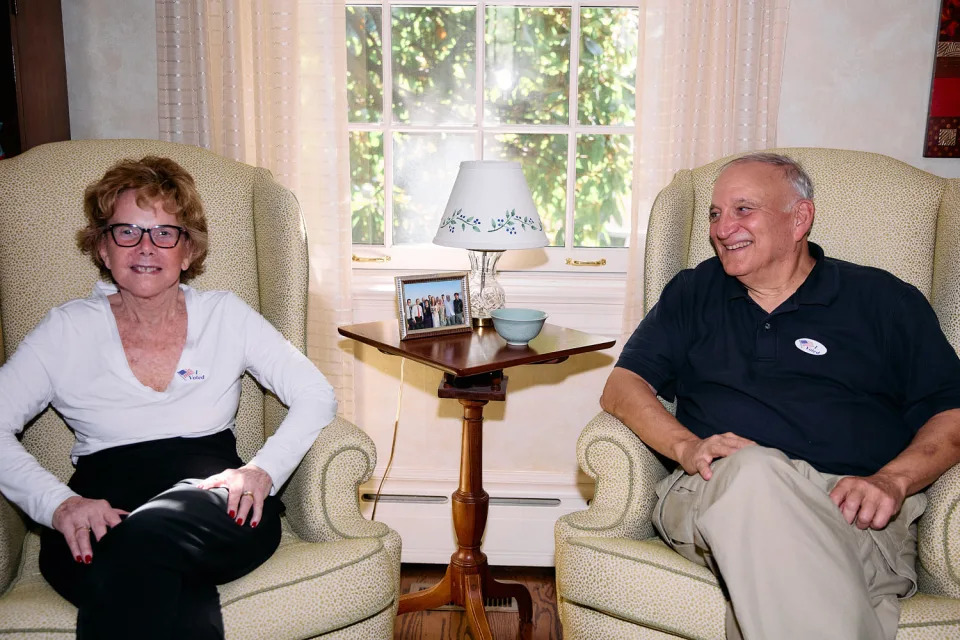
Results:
x,y
366,181
434,65
527,70
364,64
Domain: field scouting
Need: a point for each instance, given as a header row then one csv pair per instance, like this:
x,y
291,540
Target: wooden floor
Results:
x,y
451,625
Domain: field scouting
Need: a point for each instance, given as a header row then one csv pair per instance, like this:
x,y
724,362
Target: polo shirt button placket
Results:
x,y
766,347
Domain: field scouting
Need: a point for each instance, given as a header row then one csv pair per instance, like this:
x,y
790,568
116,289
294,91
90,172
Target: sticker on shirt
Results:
x,y
191,375
811,346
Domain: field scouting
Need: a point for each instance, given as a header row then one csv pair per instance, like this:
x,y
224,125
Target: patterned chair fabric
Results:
x,y
335,575
615,578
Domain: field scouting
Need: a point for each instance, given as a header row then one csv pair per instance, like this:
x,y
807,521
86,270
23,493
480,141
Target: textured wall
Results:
x,y
111,51
857,76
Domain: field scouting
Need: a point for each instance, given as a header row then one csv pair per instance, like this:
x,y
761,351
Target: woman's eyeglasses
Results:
x,y
164,236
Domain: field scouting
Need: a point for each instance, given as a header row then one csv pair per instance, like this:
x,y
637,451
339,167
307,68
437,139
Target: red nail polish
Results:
x,y
240,521
253,525
79,558
88,559
233,513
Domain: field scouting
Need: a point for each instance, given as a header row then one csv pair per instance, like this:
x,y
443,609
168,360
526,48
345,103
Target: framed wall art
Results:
x,y
943,116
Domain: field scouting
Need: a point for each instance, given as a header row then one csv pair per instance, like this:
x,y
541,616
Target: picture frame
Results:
x,y
943,113
425,316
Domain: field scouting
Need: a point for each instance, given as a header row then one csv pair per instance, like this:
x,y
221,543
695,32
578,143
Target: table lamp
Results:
x,y
489,211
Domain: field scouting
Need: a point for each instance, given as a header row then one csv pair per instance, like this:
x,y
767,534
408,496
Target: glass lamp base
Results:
x,y
486,294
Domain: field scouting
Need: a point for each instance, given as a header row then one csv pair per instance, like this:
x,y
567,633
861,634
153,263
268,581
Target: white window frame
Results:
x,y
611,260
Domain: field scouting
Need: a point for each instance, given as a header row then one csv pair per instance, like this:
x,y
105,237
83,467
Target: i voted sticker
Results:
x,y
811,346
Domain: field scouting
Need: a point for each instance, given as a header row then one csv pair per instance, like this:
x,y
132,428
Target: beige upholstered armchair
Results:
x,y
615,579
335,575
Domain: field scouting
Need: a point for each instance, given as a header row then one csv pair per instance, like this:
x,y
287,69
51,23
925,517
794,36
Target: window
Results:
x,y
549,84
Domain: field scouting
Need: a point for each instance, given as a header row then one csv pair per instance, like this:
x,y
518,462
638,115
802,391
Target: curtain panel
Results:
x,y
708,85
264,82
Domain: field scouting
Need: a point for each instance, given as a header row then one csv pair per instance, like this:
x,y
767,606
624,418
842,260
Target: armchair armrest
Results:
x,y
626,473
938,545
12,531
322,497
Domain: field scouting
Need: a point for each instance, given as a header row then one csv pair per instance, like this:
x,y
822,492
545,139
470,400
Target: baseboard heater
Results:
x,y
520,523
489,603
406,498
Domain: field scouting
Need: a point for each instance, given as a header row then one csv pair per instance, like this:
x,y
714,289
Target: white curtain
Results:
x,y
708,86
264,82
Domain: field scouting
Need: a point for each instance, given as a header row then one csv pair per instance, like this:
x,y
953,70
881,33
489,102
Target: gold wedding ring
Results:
x,y
247,493
82,528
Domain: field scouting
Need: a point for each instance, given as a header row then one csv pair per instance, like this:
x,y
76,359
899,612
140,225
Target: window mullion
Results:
x,y
480,75
573,116
387,20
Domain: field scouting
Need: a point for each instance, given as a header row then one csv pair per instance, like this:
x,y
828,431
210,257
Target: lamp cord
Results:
x,y
393,445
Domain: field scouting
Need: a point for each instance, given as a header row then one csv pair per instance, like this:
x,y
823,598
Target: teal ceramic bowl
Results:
x,y
518,326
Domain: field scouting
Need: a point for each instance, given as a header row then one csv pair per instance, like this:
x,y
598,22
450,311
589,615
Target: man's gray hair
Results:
x,y
792,171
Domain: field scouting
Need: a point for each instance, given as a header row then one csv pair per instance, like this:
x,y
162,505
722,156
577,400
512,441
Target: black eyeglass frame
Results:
x,y
181,231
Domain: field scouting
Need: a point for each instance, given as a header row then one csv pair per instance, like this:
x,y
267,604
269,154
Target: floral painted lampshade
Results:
x,y
490,209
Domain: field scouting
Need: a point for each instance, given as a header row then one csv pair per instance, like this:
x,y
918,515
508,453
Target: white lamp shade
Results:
x,y
490,209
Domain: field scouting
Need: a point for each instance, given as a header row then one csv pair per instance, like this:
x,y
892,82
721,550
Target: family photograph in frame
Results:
x,y
433,304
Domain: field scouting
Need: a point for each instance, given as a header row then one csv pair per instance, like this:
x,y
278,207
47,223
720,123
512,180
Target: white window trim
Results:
x,y
566,259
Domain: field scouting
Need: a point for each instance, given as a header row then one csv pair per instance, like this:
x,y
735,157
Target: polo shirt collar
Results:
x,y
821,286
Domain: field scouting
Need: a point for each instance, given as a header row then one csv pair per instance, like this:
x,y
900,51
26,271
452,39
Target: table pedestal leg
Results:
x,y
467,580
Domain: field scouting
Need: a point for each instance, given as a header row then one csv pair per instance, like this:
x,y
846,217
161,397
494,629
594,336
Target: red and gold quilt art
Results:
x,y
943,119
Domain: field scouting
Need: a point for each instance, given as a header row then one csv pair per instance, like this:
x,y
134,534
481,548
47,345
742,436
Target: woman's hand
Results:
x,y
247,487
77,517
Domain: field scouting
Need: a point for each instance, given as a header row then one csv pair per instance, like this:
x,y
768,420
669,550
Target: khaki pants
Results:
x,y
790,564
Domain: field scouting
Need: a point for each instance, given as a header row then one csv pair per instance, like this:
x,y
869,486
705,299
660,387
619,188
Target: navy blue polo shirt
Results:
x,y
842,374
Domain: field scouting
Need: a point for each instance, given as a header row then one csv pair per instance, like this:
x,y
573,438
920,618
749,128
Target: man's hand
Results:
x,y
870,501
77,517
695,455
247,488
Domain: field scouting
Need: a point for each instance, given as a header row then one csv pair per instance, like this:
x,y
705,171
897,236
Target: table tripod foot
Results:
x,y
473,606
436,596
497,589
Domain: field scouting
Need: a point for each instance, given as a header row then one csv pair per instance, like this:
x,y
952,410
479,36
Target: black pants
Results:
x,y
155,574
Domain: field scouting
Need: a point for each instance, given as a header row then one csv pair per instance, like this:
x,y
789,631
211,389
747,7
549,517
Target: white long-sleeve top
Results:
x,y
74,361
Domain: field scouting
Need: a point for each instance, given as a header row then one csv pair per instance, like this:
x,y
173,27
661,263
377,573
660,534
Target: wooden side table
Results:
x,y
473,365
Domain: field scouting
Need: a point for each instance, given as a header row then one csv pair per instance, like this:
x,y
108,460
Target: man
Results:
x,y
815,400
448,309
457,309
409,315
418,315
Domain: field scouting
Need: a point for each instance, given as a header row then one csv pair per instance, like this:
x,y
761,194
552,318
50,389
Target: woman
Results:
x,y
427,315
146,371
441,313
434,312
